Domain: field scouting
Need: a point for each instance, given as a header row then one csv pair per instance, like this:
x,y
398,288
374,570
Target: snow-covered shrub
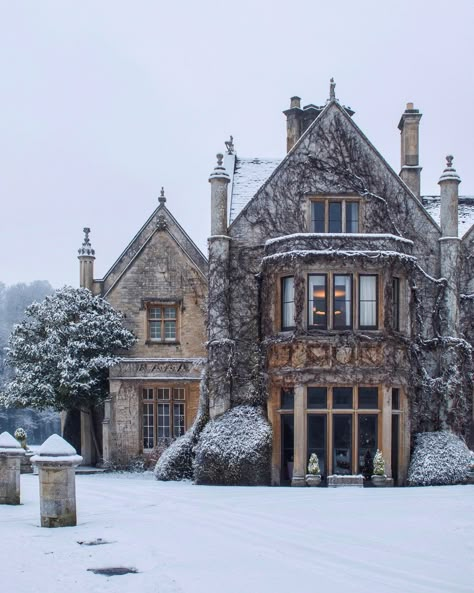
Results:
x,y
439,458
471,461
313,465
235,449
379,464
176,462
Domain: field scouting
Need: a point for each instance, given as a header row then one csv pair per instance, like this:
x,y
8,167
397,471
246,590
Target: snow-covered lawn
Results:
x,y
194,539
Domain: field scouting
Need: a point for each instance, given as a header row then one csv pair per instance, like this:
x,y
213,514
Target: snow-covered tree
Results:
x,y
61,351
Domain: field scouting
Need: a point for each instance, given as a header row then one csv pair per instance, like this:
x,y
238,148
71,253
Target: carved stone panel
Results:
x,y
343,354
371,355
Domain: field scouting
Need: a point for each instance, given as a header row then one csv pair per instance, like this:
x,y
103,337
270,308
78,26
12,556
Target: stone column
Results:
x,y
449,247
56,461
106,431
86,437
86,256
299,459
387,429
220,346
10,455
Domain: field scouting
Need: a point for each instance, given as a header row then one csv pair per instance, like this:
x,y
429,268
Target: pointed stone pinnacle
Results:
x,y
162,198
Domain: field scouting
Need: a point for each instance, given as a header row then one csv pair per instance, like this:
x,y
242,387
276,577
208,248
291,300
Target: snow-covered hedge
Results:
x,y
439,458
235,449
176,462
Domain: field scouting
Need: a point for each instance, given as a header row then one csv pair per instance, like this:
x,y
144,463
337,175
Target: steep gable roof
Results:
x,y
432,205
161,220
326,112
248,175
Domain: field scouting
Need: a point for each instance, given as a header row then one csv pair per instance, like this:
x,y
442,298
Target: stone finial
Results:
x,y
332,90
229,144
450,173
162,198
86,248
219,171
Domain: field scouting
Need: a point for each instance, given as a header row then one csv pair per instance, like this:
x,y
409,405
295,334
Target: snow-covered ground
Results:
x,y
194,539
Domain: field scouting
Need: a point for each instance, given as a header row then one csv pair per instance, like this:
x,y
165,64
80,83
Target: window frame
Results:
x,y
283,326
354,411
310,301
327,201
330,301
396,293
152,396
154,305
351,301
369,327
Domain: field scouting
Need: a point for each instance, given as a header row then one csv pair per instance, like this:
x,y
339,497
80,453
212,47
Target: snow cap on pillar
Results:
x,y
449,174
56,449
219,171
9,444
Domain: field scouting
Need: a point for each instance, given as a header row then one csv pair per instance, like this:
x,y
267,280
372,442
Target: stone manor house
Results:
x,y
335,297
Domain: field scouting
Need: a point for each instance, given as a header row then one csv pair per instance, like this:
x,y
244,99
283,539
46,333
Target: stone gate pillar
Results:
x,y
56,461
10,455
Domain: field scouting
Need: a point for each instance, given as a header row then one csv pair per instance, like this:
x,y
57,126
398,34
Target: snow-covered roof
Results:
x,y
465,211
247,178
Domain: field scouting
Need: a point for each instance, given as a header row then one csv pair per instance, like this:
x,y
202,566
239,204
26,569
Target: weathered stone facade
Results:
x,y
401,362
159,285
336,305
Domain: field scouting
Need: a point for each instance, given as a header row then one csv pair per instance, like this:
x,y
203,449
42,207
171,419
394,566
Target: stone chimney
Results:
x,y
410,148
293,122
86,262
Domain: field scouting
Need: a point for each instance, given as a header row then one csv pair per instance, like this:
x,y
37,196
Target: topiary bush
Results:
x,y
235,449
439,458
313,465
176,462
379,464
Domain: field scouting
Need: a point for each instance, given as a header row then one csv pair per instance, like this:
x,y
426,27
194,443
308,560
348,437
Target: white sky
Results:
x,y
102,103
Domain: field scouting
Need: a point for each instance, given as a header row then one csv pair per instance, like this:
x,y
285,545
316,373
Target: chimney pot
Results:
x,y
295,102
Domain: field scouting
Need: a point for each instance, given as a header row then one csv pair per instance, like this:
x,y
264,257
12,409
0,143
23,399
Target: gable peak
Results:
x,y
298,119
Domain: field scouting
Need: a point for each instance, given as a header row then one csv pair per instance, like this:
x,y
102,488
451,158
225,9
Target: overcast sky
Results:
x,y
104,101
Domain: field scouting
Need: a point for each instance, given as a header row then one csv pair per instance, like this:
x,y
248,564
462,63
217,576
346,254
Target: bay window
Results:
x,y
332,303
